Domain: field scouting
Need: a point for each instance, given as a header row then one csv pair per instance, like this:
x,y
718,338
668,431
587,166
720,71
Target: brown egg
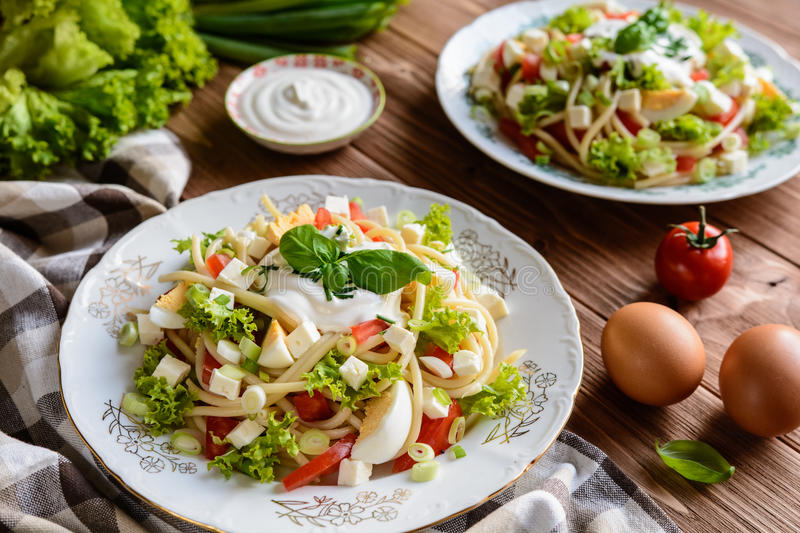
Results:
x,y
652,353
760,380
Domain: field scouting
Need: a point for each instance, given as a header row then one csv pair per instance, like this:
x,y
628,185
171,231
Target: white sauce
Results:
x,y
608,28
304,105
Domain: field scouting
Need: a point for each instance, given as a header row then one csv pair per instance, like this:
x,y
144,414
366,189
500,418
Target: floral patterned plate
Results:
x,y
466,47
95,371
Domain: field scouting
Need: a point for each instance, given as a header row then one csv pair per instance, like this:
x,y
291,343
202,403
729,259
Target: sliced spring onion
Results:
x,y
705,170
358,200
456,452
416,323
187,441
250,349
387,320
197,293
419,451
222,299
253,399
441,396
346,345
457,429
731,142
135,404
231,371
647,138
405,217
314,442
425,471
250,365
263,376
128,334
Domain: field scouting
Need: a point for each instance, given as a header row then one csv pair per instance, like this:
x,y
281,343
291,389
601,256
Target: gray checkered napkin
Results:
x,y
51,234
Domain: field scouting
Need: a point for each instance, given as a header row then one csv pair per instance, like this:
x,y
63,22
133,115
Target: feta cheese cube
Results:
x,y
149,333
548,72
580,49
354,372
466,363
711,100
515,95
513,52
413,233
436,366
301,339
244,433
232,275
223,385
432,407
729,47
276,355
338,204
733,89
216,291
630,100
399,339
378,215
733,162
535,39
580,117
172,369
477,317
492,301
229,351
257,247
353,472
443,278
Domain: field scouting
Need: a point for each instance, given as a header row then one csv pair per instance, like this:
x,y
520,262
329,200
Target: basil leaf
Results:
x,y
385,271
695,460
334,278
306,249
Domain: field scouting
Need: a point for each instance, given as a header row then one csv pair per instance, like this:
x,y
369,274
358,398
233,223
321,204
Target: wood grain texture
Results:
x,y
601,250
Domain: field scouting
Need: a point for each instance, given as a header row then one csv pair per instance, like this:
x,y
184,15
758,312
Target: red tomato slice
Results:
x,y
216,263
725,118
574,37
700,75
356,213
433,432
510,129
220,427
209,364
311,407
323,464
686,163
629,123
322,218
527,145
620,16
530,67
365,330
499,67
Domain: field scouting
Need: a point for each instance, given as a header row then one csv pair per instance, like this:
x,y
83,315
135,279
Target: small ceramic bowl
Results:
x,y
311,61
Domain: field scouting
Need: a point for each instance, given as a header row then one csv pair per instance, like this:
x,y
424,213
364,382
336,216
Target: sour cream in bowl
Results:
x,y
305,103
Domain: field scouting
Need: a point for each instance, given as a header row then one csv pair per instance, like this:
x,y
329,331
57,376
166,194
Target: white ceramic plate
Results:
x,y
95,371
466,47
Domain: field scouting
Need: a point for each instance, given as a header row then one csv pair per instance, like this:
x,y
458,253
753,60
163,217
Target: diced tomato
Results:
x,y
621,16
743,135
527,145
499,66
627,121
220,427
323,464
311,407
458,276
686,163
209,364
530,67
510,129
365,228
216,263
365,330
356,213
322,218
434,433
700,75
725,118
574,37
434,350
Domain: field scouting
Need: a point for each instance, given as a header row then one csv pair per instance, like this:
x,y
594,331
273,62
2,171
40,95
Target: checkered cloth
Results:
x,y
51,234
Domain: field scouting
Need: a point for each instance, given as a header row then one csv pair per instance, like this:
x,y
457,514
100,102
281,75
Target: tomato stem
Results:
x,y
700,240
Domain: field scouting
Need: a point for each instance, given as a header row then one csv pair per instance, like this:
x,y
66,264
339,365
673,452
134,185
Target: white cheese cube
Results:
x,y
301,339
247,235
733,162
492,301
339,205
443,278
354,372
232,274
378,215
580,117
535,39
477,317
432,407
630,100
172,369
276,355
149,333
399,339
216,291
436,366
229,351
223,385
244,433
711,100
548,72
515,95
580,49
513,52
466,363
353,472
257,247
412,233
485,78
729,47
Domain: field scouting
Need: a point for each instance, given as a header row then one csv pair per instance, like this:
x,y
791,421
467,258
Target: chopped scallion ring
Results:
x,y
457,429
405,217
415,323
129,334
425,471
253,399
187,441
314,442
441,396
456,452
250,365
231,371
263,376
419,451
250,349
346,345
222,299
135,404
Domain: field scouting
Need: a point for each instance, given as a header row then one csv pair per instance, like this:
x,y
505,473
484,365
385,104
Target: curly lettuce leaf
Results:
x,y
17,12
725,69
688,128
539,101
438,227
446,328
650,78
152,356
259,458
494,398
615,158
203,314
710,29
574,20
771,113
107,24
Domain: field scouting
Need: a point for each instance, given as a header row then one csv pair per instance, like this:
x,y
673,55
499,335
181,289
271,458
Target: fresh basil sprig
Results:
x,y
317,257
643,32
695,460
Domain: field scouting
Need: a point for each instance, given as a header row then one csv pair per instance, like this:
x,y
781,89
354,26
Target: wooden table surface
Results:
x,y
601,250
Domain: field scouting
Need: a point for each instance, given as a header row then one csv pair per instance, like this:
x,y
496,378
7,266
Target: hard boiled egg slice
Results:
x,y
163,313
386,425
667,104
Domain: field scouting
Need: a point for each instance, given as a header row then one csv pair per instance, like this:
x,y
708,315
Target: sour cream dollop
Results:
x,y
306,105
